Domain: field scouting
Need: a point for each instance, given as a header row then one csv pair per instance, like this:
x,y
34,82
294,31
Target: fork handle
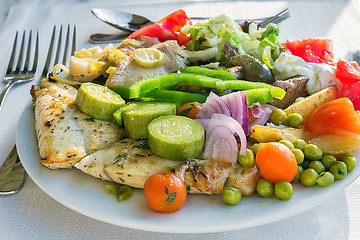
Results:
x,y
4,92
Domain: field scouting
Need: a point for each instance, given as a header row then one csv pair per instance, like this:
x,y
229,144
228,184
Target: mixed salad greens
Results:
x,y
299,143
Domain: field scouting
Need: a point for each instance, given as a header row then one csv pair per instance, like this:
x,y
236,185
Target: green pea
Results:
x,y
111,189
309,177
284,190
287,143
124,193
299,144
350,162
294,120
255,148
339,170
313,152
231,195
328,160
325,179
298,173
277,116
265,188
317,166
248,160
299,155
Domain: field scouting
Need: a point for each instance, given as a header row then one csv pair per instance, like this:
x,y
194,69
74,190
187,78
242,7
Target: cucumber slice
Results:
x,y
176,137
98,101
138,115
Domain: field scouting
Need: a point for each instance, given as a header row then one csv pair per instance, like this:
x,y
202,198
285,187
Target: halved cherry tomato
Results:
x,y
276,162
347,72
165,192
189,109
335,117
167,28
316,50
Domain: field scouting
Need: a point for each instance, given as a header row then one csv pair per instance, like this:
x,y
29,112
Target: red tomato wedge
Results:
x,y
316,50
351,91
335,117
167,28
154,30
347,72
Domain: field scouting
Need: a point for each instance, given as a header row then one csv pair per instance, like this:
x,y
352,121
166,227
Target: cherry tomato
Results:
x,y
315,50
335,117
276,162
165,192
189,110
347,72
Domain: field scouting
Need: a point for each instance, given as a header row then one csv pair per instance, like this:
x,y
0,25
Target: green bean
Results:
x,y
317,166
231,195
339,170
277,116
248,160
309,177
265,188
299,155
294,120
284,190
328,160
313,152
300,144
350,162
325,179
123,193
287,143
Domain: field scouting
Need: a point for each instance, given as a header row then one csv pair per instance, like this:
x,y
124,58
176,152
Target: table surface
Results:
x,y
31,214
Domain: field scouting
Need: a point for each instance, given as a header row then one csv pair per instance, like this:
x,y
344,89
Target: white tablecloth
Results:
x,y
31,214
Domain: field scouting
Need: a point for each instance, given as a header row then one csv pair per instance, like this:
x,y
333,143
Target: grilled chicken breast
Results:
x,y
66,134
128,72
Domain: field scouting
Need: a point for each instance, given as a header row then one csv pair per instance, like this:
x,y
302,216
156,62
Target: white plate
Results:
x,y
87,195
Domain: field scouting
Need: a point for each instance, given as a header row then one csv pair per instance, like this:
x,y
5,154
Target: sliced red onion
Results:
x,y
213,104
262,114
204,122
221,145
236,102
229,122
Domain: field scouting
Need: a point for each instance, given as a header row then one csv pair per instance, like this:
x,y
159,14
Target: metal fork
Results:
x,y
12,173
21,73
279,17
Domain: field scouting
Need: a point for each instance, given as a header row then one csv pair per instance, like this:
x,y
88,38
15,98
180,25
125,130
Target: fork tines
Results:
x,y
63,49
22,61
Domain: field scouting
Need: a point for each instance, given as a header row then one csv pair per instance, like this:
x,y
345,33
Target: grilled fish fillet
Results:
x,y
128,72
128,162
66,134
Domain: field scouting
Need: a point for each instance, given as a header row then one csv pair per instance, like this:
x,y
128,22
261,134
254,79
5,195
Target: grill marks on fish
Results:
x,y
64,136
